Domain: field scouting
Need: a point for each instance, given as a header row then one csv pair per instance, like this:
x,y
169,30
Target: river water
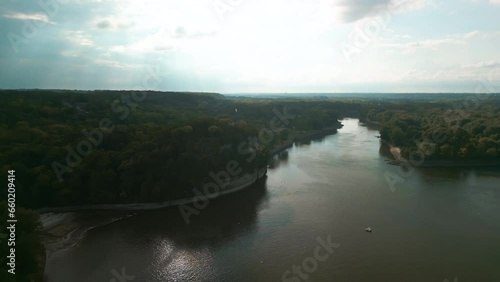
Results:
x,y
440,223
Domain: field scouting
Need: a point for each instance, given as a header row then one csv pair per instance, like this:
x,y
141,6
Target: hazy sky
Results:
x,y
251,45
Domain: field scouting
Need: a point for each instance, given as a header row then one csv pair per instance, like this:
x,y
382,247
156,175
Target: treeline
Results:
x,y
94,147
443,130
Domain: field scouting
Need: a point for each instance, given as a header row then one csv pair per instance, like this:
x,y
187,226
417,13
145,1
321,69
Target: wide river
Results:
x,y
439,224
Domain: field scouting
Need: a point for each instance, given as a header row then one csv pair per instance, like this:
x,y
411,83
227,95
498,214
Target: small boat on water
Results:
x,y
369,229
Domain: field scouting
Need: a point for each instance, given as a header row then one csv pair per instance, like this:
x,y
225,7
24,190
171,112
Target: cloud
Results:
x,y
482,65
492,2
410,47
472,34
354,10
157,42
23,17
428,44
282,44
113,24
182,32
111,63
450,73
118,49
79,37
357,9
103,24
402,36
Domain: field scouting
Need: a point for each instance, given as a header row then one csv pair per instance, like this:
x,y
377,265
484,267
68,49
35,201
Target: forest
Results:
x,y
94,147
104,147
464,129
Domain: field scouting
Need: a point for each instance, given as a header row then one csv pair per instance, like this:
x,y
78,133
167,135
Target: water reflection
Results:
x,y
333,187
160,246
279,159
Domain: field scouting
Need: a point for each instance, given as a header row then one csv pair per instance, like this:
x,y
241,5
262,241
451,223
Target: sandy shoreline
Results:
x,y
64,230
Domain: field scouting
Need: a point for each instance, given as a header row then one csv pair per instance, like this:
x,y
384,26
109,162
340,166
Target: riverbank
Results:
x,y
316,191
233,186
398,160
63,230
371,122
304,138
64,227
450,163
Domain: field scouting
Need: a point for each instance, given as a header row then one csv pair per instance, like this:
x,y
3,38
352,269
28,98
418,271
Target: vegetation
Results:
x,y
93,147
442,130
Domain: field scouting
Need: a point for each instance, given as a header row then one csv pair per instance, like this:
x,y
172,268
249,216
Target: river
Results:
x,y
440,223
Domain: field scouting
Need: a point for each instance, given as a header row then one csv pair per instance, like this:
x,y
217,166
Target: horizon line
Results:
x,y
239,93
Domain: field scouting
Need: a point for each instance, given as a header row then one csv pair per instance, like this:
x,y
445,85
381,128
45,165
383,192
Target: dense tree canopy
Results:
x,y
86,147
90,147
449,130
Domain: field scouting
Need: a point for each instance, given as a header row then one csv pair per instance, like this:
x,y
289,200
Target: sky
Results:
x,y
242,46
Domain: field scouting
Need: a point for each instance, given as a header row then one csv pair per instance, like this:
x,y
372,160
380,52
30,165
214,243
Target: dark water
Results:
x,y
439,224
